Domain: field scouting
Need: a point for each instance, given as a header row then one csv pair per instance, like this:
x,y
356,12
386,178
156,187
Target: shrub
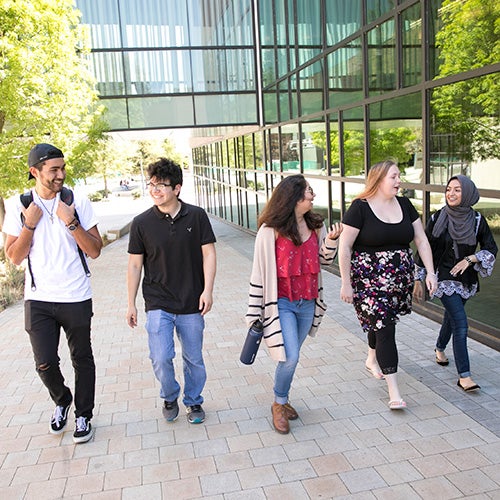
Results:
x,y
11,282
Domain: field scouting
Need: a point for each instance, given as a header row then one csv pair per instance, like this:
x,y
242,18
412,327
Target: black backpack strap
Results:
x,y
26,199
68,198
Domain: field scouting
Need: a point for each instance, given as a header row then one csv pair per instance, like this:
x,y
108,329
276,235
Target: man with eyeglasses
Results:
x,y
173,242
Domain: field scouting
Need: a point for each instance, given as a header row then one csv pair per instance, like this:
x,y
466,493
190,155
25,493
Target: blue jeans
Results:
x,y
296,320
455,323
189,327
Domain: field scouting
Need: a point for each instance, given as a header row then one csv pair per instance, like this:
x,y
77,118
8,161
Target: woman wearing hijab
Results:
x,y
454,233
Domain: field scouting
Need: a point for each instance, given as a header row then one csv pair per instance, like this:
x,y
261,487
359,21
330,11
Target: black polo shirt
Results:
x,y
173,261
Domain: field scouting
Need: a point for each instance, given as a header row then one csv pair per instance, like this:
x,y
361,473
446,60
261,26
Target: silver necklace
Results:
x,y
51,213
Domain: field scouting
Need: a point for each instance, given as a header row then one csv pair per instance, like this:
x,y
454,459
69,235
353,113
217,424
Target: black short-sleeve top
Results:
x,y
173,257
376,235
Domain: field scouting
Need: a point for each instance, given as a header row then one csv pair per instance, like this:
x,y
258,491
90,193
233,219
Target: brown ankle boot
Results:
x,y
280,420
291,413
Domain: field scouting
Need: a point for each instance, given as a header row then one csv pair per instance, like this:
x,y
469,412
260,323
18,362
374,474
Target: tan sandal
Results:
x,y
398,404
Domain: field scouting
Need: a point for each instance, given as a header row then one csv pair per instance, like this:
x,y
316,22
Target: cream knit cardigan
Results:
x,y
263,292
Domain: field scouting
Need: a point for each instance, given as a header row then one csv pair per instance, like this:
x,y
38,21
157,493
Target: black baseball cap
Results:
x,y
42,152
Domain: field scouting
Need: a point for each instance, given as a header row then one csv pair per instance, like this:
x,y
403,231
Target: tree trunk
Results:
x,y
2,212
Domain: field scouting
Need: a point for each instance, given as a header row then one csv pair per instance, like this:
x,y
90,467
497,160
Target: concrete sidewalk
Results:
x,y
347,443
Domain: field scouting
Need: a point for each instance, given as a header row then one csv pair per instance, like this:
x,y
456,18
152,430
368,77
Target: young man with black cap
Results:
x,y
57,291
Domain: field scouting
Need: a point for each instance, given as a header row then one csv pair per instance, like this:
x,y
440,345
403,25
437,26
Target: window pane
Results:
x,y
284,100
213,109
116,114
343,18
334,145
270,105
151,23
309,25
345,74
266,23
268,67
396,132
467,37
382,58
294,97
353,143
273,150
320,188
108,70
103,19
377,8
281,22
412,50
160,112
465,131
314,150
158,72
290,148
223,70
282,60
217,23
311,88
435,23
351,190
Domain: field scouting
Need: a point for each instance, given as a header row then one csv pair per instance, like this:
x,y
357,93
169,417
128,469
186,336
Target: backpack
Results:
x,y
67,197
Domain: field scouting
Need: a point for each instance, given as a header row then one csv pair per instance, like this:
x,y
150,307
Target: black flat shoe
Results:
x,y
470,388
441,362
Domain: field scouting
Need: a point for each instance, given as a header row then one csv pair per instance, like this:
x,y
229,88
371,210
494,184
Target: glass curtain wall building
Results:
x,y
173,63
324,87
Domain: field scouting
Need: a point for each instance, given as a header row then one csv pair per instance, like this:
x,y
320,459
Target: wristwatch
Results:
x,y
73,225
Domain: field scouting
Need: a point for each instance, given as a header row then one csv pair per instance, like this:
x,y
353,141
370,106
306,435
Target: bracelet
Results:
x,y
73,221
31,228
469,261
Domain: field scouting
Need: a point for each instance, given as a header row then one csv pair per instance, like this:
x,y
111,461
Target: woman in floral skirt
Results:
x,y
377,269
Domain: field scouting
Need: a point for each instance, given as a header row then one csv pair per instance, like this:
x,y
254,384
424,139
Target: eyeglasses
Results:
x,y
309,190
158,186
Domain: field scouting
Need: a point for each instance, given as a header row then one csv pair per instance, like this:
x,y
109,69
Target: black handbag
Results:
x,y
252,342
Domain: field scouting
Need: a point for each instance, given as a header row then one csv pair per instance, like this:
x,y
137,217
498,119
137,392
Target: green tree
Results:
x,y
170,151
47,93
397,142
469,111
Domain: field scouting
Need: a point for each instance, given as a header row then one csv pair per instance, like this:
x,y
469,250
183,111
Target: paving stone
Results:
x,y
346,443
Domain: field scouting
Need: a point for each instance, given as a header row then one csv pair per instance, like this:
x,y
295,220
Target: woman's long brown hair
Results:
x,y
279,212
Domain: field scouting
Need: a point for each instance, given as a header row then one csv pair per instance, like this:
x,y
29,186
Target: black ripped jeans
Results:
x,y
43,322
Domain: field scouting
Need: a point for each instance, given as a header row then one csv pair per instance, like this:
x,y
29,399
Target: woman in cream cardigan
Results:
x,y
286,291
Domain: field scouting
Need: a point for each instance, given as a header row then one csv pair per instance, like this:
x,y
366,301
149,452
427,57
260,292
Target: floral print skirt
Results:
x,y
382,285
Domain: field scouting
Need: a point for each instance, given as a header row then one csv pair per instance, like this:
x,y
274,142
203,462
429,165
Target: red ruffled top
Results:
x,y
298,268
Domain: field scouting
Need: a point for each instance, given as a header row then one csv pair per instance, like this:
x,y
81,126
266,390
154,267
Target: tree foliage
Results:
x,y
469,111
47,93
396,142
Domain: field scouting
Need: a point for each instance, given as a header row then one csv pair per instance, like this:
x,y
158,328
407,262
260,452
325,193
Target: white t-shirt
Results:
x,y
57,269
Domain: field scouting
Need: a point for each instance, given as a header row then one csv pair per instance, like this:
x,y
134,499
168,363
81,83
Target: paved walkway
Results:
x,y
347,443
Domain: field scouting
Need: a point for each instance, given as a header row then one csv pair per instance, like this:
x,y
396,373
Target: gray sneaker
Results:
x,y
170,410
195,414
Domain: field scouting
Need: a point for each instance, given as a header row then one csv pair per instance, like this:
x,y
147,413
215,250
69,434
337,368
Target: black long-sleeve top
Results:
x,y
443,254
